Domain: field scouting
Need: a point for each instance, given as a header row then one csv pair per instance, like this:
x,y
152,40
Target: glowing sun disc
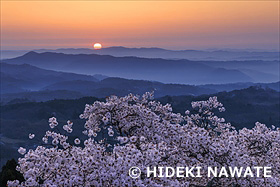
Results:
x,y
97,46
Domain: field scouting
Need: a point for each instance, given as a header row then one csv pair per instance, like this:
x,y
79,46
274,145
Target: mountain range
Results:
x,y
154,69
119,51
24,83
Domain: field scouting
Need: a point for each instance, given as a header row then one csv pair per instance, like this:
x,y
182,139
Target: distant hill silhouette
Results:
x,y
186,54
167,71
239,86
120,86
23,83
109,86
153,52
38,96
16,78
258,70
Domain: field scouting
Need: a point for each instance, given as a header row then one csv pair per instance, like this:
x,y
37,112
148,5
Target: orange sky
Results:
x,y
166,24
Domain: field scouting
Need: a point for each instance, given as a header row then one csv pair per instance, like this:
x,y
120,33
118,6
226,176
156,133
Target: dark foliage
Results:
x,y
9,172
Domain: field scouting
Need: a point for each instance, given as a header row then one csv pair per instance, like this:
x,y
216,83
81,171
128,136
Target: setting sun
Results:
x,y
97,46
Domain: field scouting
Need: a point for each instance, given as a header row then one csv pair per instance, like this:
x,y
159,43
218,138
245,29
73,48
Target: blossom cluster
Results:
x,y
146,134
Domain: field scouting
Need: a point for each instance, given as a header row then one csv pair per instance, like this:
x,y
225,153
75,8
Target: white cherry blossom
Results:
x,y
147,133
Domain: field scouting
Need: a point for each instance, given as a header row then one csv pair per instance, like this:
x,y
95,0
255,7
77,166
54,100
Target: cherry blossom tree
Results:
x,y
146,133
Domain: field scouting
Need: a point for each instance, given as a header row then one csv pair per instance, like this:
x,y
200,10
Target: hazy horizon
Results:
x,y
143,47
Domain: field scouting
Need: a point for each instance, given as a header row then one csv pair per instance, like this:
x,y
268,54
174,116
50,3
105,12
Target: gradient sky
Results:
x,y
166,24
